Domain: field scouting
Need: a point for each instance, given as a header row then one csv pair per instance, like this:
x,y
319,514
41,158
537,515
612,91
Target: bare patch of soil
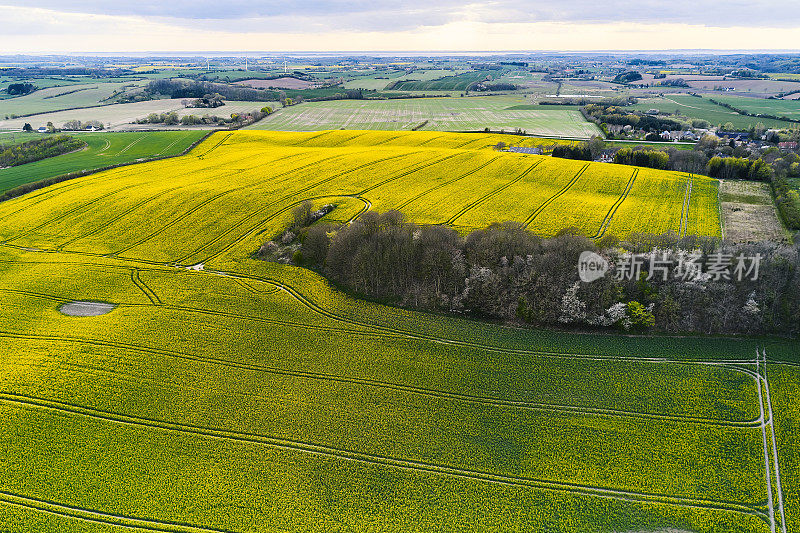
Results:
x,y
81,308
748,212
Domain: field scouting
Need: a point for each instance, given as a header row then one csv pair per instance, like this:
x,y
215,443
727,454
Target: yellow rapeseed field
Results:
x,y
237,186
222,393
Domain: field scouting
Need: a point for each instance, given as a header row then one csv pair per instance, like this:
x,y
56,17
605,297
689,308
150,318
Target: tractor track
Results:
x,y
613,210
207,201
406,173
371,459
150,293
776,467
555,197
489,195
399,387
131,145
219,143
685,210
448,182
254,228
100,517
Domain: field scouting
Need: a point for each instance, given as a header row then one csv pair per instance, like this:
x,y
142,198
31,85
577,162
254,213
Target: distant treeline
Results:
x,y
506,272
42,72
190,89
38,149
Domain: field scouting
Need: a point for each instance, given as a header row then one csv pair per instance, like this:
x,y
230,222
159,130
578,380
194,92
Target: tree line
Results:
x,y
506,272
38,149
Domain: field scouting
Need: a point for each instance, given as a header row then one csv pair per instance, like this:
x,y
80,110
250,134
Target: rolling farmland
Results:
x,y
60,98
117,115
102,150
702,108
247,396
442,114
381,80
458,82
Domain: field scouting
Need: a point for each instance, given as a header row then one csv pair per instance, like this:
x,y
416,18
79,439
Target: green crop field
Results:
x,y
247,396
703,109
778,108
379,80
458,82
102,150
441,114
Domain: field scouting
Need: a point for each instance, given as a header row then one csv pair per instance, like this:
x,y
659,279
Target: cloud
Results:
x,y
476,26
377,15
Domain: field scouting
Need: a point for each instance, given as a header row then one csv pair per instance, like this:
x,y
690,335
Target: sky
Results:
x,y
74,26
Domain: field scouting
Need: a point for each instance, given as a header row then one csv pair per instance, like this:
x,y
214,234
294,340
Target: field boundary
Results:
x,y
41,184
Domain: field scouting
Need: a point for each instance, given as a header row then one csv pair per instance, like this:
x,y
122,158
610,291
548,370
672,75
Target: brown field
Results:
x,y
751,87
278,83
748,212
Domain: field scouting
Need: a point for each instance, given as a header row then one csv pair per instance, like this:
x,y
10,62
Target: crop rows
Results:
x,y
445,114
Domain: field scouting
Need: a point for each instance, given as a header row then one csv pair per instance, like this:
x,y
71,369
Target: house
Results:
x,y
42,129
666,135
91,128
733,135
787,145
606,157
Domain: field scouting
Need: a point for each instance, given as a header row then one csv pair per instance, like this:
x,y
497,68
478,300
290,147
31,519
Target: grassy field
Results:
x,y
703,109
121,115
441,114
103,149
288,406
778,108
60,98
749,213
